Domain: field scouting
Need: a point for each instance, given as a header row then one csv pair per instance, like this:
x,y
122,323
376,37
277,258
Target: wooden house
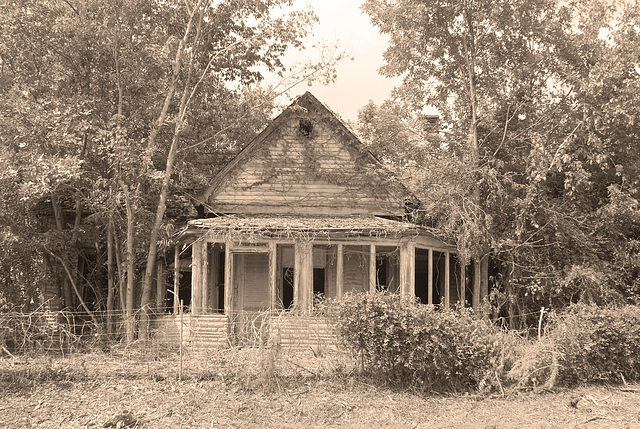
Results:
x,y
306,211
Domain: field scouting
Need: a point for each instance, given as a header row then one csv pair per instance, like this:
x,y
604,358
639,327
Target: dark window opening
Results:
x,y
306,127
185,288
381,272
455,290
287,287
184,293
469,280
318,281
438,277
422,275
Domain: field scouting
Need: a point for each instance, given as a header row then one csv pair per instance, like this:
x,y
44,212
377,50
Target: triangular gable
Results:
x,y
305,162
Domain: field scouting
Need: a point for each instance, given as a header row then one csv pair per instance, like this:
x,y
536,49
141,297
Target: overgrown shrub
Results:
x,y
584,344
421,345
597,344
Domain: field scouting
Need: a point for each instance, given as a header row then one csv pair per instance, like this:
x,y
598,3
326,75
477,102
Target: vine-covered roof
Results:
x,y
296,226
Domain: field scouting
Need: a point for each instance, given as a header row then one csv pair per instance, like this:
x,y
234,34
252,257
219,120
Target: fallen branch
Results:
x,y
4,349
75,287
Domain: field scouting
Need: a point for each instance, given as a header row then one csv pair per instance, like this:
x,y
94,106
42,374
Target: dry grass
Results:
x,y
263,387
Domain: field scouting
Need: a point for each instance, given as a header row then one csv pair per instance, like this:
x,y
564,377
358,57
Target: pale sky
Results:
x,y
358,79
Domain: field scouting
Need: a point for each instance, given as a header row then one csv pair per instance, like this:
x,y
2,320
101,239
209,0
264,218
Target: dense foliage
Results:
x,y
597,344
114,115
535,159
444,350
419,345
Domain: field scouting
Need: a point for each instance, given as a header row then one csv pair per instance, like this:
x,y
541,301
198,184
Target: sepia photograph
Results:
x,y
320,214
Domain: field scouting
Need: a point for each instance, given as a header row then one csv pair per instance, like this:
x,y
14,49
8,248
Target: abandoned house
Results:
x,y
305,211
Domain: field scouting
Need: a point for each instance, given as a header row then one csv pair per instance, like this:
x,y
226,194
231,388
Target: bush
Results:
x,y
584,344
597,344
430,348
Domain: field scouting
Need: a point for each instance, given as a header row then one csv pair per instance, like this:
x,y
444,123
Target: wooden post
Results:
x,y
297,274
228,279
372,268
340,271
476,284
404,262
303,276
412,269
196,273
307,277
463,283
161,287
176,280
430,278
212,278
273,262
204,279
446,279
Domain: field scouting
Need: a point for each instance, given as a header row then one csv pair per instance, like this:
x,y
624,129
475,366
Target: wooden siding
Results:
x,y
291,331
356,269
202,331
253,281
287,172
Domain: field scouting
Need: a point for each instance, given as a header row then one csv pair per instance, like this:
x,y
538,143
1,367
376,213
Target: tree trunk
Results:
x,y
75,288
129,303
122,292
162,201
110,273
67,294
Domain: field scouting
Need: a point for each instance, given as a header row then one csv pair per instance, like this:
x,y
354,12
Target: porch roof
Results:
x,y
295,226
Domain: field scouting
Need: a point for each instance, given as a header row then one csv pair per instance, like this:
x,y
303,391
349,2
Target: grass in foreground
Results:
x,y
267,388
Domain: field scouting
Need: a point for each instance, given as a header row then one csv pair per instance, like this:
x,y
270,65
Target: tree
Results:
x,y
537,120
126,93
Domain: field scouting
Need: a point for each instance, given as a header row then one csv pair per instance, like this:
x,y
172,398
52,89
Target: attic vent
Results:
x,y
306,127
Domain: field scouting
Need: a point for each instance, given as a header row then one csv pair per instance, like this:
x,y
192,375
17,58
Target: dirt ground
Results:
x,y
252,388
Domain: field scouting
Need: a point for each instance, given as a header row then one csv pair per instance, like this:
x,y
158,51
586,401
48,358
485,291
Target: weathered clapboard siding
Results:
x,y
287,330
253,281
199,331
356,269
303,332
325,171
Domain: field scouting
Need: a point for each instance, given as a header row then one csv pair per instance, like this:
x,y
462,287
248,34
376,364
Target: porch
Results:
x,y
258,263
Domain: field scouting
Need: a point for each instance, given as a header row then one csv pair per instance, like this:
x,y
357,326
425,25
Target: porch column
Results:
x,y
228,281
476,284
372,268
196,275
204,278
430,278
340,271
212,277
176,280
272,274
303,276
446,279
412,269
463,283
404,262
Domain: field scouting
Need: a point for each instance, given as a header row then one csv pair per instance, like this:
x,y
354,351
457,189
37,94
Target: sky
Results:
x,y
358,79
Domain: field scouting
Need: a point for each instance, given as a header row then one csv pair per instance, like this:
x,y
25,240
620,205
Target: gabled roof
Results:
x,y
391,195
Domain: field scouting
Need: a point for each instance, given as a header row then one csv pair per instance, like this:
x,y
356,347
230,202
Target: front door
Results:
x,y
251,281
